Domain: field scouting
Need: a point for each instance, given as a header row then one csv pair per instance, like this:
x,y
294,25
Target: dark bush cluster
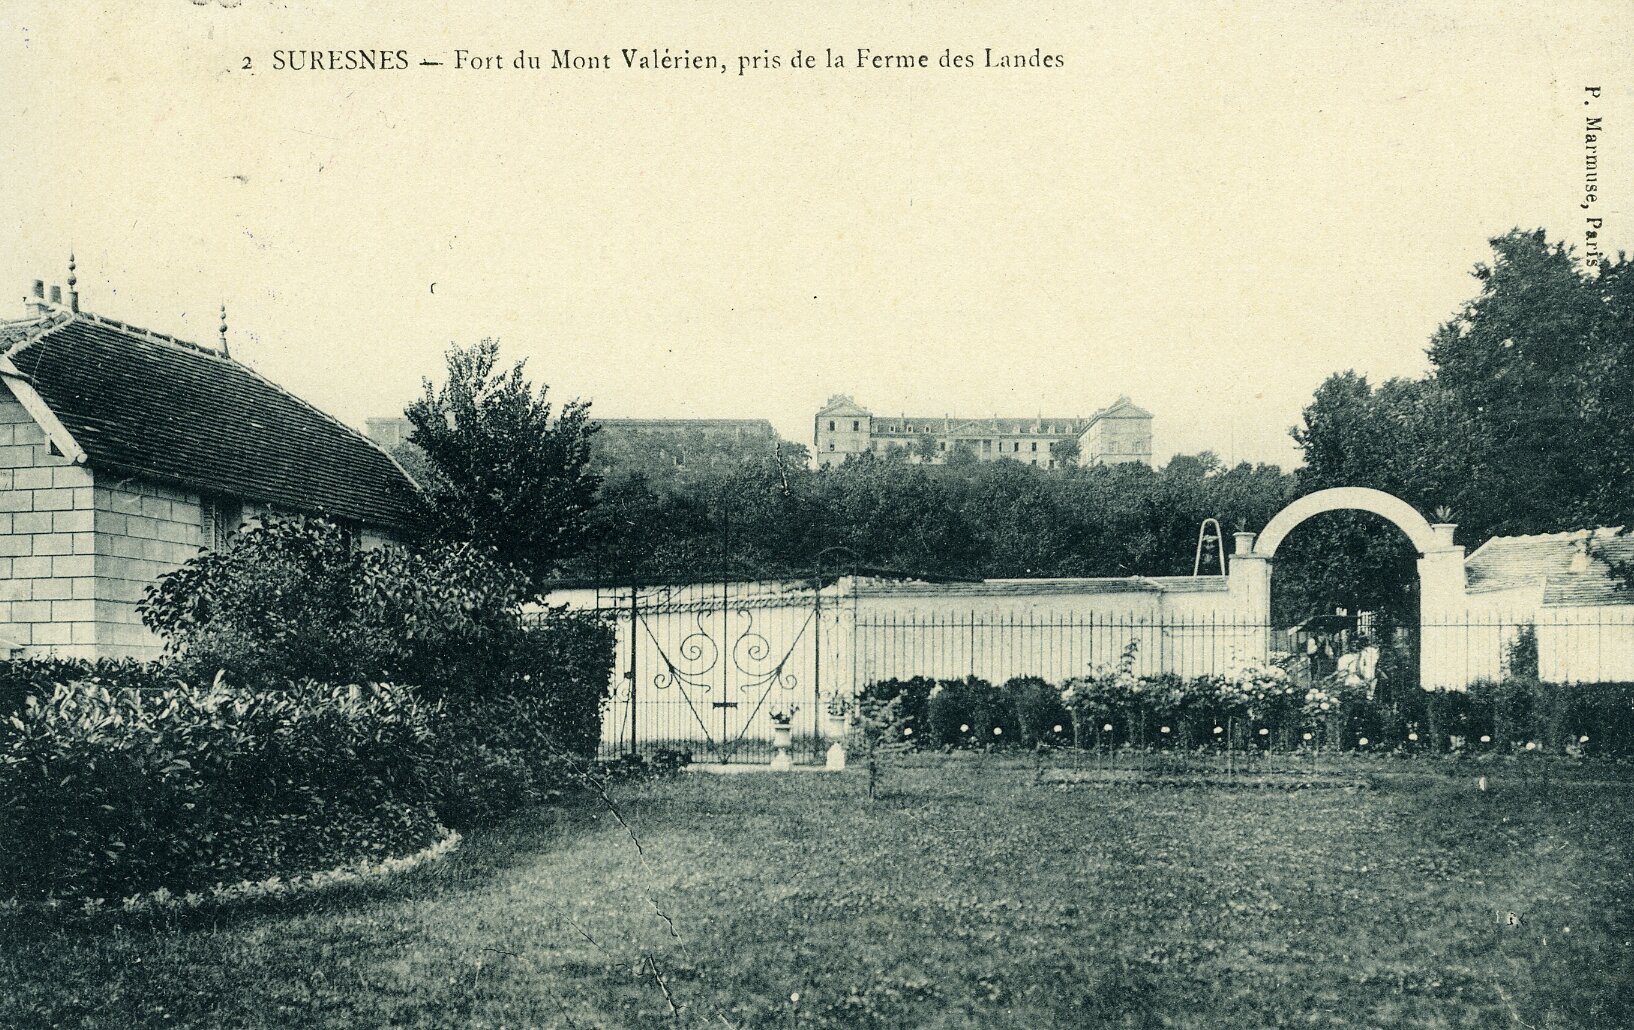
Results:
x,y
1255,707
1596,718
135,777
21,679
118,791
518,697
972,712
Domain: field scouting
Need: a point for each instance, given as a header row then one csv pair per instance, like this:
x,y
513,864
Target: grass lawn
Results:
x,y
969,897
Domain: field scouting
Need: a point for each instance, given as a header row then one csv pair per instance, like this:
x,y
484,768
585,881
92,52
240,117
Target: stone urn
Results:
x,y
838,709
782,739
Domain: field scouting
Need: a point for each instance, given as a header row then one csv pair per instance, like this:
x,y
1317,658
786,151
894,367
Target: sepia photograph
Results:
x,y
817,515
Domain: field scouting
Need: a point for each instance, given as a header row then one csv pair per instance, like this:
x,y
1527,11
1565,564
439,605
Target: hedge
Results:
x,y
1117,708
120,791
123,778
23,678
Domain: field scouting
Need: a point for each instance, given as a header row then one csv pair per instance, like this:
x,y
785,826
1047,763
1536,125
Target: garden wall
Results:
x,y
708,664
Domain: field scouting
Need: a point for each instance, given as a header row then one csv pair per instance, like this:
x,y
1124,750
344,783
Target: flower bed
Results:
x,y
1258,706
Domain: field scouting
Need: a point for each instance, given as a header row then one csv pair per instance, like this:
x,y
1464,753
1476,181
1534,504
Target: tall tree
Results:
x,y
500,470
1525,423
1541,364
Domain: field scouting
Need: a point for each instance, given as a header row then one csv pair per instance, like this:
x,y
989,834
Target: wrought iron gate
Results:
x,y
704,669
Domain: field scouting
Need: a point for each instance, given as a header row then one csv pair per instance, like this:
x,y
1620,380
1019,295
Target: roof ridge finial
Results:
x,y
73,281
224,352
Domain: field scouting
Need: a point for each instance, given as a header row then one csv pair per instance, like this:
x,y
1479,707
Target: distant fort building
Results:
x,y
1118,433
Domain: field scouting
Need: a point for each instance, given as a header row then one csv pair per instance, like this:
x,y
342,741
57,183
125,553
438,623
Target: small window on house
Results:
x,y
831,425
831,445
1035,445
219,517
856,424
351,533
941,445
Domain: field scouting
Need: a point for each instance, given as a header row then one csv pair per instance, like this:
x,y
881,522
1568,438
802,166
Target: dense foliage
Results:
x,y
773,515
21,679
499,469
125,778
292,599
1525,423
1260,706
518,696
124,790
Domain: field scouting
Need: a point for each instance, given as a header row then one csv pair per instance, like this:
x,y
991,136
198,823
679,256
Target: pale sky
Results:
x,y
1210,207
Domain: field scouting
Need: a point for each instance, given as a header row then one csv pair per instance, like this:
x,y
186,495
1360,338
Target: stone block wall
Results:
x,y
47,576
142,530
77,548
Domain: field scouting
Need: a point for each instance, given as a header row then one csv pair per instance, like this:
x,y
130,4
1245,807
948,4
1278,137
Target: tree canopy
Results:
x,y
976,518
1524,424
499,470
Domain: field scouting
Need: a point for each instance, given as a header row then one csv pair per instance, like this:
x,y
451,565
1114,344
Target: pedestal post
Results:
x,y
1443,613
1249,583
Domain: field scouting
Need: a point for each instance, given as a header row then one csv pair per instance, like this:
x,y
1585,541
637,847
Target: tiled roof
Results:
x,y
1020,427
161,408
963,428
12,333
1513,562
840,404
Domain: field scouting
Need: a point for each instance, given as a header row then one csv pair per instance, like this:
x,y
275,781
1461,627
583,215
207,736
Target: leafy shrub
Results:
x,y
948,712
562,659
993,719
1604,714
520,697
882,733
1521,654
1253,696
915,694
291,599
23,678
119,791
1038,709
664,763
1505,706
1105,695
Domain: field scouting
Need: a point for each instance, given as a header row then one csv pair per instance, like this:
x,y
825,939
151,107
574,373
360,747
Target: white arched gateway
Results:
x,y
1442,605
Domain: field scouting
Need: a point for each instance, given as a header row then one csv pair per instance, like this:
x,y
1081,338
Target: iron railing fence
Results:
x,y
1053,646
704,668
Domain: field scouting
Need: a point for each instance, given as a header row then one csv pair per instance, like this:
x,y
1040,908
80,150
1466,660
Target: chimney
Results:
x,y
36,305
1580,556
56,296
